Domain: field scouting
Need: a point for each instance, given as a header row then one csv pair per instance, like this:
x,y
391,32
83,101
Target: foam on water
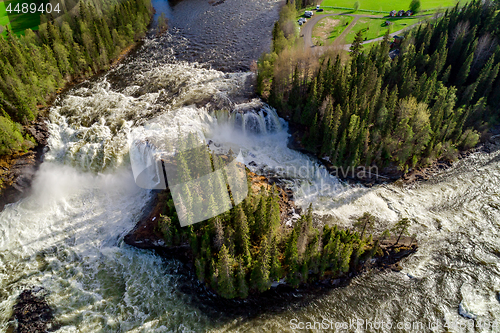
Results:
x,y
67,236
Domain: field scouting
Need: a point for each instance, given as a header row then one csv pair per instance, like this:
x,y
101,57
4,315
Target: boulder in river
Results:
x,y
32,312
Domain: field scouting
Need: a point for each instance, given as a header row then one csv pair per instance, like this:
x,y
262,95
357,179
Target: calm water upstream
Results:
x,y
67,236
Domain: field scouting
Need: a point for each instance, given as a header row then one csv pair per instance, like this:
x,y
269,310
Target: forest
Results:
x,y
247,248
440,95
35,65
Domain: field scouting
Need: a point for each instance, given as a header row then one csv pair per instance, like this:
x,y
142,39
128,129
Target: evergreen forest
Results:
x,y
438,94
33,66
248,248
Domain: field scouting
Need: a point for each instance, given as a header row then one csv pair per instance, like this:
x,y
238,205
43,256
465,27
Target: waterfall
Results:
x,y
67,235
253,118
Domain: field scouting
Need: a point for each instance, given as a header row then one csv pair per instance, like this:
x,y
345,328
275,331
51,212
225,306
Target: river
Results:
x,y
67,236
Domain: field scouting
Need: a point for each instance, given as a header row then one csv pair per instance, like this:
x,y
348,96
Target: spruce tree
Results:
x,y
261,218
225,284
261,267
242,284
275,271
273,213
242,236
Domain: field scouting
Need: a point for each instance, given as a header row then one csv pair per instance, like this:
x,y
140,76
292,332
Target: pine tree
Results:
x,y
401,227
261,267
365,223
225,284
242,236
241,279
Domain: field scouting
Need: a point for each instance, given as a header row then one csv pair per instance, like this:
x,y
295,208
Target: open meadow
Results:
x,y
387,6
376,27
4,19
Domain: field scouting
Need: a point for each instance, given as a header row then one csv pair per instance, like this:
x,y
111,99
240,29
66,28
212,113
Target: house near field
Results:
x,y
388,22
409,13
394,53
401,12
392,13
396,41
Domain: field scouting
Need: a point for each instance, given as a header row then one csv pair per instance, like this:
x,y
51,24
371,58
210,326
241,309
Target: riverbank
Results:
x,y
18,170
371,175
147,234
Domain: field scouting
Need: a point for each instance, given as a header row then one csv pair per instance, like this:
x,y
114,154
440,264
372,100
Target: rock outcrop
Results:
x,y
18,171
32,312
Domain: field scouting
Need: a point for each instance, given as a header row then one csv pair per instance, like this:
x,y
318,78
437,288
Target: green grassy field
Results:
x,y
17,23
4,19
387,6
346,20
375,27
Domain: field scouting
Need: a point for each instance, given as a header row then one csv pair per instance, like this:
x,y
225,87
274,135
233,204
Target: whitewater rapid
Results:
x,y
67,236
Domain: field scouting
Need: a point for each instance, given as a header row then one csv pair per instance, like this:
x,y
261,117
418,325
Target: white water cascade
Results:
x,y
67,236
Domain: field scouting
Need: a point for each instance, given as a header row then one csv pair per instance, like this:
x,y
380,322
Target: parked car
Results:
x,y
319,10
308,13
317,7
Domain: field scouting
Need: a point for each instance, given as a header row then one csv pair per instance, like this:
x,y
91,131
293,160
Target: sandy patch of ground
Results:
x,y
323,29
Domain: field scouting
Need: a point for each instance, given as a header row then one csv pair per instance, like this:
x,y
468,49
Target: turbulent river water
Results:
x,y
67,235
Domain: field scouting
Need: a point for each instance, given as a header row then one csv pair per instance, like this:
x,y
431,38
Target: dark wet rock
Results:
x,y
39,132
32,312
18,171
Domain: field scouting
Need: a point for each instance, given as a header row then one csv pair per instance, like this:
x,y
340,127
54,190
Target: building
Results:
x,y
409,13
392,13
401,12
394,53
